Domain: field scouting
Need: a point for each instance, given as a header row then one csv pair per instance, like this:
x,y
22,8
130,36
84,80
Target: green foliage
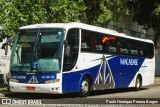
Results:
x,y
147,14
101,12
16,13
65,11
144,11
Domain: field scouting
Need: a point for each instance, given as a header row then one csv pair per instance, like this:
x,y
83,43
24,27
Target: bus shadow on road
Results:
x,y
114,91
63,96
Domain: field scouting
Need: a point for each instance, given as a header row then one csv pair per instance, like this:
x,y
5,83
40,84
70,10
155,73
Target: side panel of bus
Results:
x,y
115,64
119,71
149,74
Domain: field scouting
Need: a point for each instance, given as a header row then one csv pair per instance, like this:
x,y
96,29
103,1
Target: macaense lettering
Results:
x,y
128,61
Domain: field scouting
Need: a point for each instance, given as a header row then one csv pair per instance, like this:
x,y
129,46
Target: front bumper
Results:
x,y
53,88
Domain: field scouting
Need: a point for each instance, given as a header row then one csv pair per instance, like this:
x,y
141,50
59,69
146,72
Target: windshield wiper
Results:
x,y
35,44
34,51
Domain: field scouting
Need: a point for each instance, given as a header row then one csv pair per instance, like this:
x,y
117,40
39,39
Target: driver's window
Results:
x,y
71,49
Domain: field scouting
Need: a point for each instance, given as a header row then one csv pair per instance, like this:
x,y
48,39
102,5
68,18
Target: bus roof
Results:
x,y
83,26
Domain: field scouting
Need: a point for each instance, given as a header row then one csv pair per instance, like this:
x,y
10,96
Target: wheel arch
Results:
x,y
140,77
85,75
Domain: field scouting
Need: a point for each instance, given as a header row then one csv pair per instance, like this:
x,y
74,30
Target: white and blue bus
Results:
x,y
76,57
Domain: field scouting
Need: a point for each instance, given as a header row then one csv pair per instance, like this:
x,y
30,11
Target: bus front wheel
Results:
x,y
85,87
138,83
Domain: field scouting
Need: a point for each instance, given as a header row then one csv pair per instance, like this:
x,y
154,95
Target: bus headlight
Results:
x,y
14,80
52,81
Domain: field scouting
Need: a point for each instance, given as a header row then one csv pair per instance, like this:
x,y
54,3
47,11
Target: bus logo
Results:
x,y
33,80
128,61
102,80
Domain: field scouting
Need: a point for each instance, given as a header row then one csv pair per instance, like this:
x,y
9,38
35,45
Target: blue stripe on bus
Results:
x,y
71,81
123,73
25,78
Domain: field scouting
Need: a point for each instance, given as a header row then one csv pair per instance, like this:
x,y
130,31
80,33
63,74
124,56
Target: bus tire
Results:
x,y
85,87
138,83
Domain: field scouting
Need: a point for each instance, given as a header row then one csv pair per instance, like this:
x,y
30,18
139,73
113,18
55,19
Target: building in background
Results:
x,y
131,28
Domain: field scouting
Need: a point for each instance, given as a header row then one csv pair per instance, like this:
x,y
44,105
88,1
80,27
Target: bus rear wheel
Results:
x,y
85,87
138,83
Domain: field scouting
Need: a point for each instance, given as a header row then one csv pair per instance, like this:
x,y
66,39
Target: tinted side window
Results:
x,y
92,42
109,44
149,50
134,48
124,46
98,43
87,41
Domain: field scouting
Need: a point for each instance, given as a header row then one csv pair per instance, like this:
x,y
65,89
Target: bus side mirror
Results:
x,y
67,50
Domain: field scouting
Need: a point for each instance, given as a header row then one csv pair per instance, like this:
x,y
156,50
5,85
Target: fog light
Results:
x,y
52,81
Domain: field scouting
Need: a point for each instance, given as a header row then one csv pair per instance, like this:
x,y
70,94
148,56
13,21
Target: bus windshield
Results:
x,y
37,50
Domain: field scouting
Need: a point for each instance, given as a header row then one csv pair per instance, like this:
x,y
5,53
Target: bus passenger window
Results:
x,y
141,53
149,50
98,43
134,52
124,51
87,43
109,44
84,46
112,49
124,47
134,48
99,47
112,46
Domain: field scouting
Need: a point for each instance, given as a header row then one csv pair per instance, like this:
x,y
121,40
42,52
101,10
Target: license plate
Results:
x,y
30,88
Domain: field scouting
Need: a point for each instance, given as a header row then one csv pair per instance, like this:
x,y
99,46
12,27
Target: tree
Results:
x,y
101,12
16,13
147,14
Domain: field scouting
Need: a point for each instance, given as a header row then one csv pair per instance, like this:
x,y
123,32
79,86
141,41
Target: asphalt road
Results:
x,y
121,96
